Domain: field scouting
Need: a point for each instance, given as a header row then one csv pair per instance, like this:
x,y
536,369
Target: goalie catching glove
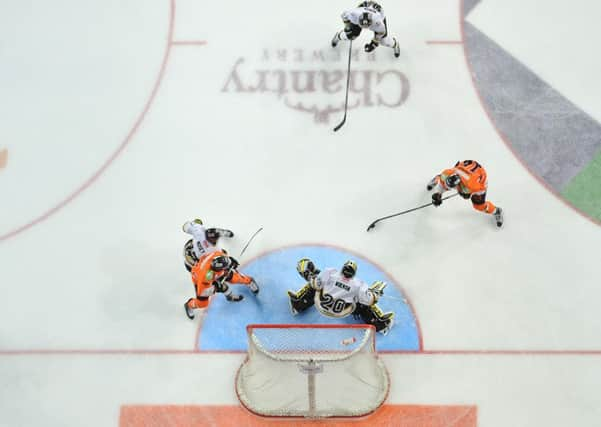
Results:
x,y
307,269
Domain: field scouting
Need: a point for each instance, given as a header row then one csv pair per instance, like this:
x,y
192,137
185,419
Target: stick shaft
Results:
x,y
348,81
407,211
249,240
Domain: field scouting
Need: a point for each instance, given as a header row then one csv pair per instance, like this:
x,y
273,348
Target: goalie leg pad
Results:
x,y
373,315
301,300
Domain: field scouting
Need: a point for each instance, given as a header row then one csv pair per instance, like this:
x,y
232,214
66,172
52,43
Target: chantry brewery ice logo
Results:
x,y
314,81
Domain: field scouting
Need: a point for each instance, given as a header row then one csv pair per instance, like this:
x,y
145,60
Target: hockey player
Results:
x,y
368,15
211,274
468,177
204,240
338,294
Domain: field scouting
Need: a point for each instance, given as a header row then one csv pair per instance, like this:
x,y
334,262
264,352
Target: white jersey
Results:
x,y
338,296
378,25
201,245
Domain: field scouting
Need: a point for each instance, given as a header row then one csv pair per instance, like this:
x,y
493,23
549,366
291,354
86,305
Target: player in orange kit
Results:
x,y
469,178
211,274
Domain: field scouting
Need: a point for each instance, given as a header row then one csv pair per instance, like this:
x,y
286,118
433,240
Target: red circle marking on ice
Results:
x,y
503,137
124,143
3,158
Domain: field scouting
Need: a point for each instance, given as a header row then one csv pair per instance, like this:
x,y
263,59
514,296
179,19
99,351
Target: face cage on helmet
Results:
x,y
348,271
220,266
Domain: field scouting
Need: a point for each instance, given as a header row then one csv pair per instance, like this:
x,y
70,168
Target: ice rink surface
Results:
x,y
123,119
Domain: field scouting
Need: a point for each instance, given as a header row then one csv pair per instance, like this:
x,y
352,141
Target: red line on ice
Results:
x,y
189,43
124,143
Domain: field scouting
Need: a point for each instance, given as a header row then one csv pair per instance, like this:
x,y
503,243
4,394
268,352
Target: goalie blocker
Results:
x,y
339,294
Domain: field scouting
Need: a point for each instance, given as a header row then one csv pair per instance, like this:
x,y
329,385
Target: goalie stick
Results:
x,y
394,298
373,224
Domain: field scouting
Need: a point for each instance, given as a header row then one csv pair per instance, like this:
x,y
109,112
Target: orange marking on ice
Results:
x,y
235,416
3,158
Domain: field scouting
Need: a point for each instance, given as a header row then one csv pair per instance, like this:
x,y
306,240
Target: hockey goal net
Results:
x,y
312,371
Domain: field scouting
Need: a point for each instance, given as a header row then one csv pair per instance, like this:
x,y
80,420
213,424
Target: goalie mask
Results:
x,y
365,20
220,263
349,269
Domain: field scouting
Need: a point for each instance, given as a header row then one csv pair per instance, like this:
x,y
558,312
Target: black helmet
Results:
x,y
220,263
212,235
365,20
349,269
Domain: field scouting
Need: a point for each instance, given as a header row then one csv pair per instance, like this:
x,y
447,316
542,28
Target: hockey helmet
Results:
x,y
305,268
349,269
220,263
452,181
371,4
365,20
197,221
212,235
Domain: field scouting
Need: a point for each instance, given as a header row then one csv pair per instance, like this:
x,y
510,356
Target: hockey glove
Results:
x,y
464,195
220,285
369,47
437,199
307,269
235,264
452,181
351,30
377,288
227,233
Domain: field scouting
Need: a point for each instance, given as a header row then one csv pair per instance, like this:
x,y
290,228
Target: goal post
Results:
x,y
312,371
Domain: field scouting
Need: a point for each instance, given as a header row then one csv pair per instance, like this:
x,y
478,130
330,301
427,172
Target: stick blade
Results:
x,y
340,124
371,226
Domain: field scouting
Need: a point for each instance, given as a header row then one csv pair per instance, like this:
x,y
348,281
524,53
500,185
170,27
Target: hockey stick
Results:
x,y
348,80
373,224
249,240
394,298
234,267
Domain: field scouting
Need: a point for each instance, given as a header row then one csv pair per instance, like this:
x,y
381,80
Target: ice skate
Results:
x,y
389,318
498,213
335,40
292,296
253,286
234,297
397,49
189,311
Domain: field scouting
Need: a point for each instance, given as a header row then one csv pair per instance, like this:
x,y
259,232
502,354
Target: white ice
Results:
x,y
93,292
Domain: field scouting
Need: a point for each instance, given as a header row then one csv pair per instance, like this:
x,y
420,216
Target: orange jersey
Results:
x,y
472,176
203,276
